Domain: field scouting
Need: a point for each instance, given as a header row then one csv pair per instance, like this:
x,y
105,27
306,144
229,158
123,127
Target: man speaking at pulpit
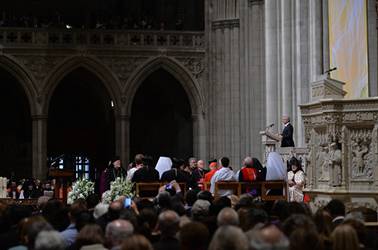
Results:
x,y
287,133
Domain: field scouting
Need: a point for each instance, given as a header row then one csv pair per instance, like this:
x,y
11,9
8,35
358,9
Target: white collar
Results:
x,y
338,218
285,125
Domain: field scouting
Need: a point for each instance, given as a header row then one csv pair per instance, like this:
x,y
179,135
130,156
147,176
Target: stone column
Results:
x,y
199,136
271,51
316,36
286,64
301,69
372,46
122,139
39,142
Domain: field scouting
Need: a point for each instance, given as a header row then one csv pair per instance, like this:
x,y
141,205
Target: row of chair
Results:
x,y
263,188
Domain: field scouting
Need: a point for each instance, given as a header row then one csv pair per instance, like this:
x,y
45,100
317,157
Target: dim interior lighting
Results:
x,y
112,104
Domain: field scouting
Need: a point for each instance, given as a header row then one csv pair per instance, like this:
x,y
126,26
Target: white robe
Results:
x,y
296,191
275,168
223,174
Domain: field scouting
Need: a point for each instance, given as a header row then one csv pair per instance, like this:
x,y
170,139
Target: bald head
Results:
x,y
201,164
228,217
248,162
118,230
271,234
168,223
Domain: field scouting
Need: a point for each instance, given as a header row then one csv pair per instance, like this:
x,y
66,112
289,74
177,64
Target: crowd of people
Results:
x,y
195,174
194,219
173,221
92,21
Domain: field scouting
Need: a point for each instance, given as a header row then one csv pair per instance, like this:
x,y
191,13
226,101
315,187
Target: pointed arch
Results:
x,y
173,67
23,77
103,73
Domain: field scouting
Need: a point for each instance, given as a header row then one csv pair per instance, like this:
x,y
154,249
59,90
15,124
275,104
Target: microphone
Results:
x,y
330,70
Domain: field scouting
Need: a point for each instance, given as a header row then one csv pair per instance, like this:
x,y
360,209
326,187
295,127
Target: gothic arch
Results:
x,y
111,83
173,67
10,65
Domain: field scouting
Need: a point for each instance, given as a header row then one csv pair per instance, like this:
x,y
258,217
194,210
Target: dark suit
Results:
x,y
175,174
287,136
146,174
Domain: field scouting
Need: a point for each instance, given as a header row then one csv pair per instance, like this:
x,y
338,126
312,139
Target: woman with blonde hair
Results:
x,y
344,237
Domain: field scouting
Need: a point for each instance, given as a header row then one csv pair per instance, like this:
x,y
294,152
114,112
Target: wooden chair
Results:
x,y
227,185
247,186
206,186
182,187
274,185
147,189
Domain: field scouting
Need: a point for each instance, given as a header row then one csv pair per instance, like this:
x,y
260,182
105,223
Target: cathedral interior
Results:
x,y
82,81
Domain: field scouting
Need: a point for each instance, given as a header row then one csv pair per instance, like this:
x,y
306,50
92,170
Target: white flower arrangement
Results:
x,y
119,187
81,189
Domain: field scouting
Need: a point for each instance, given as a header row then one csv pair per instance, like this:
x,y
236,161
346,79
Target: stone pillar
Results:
x,y
372,46
123,138
301,69
199,136
286,64
39,142
316,36
225,77
271,52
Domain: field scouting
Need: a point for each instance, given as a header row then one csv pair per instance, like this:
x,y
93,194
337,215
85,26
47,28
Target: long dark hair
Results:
x,y
296,162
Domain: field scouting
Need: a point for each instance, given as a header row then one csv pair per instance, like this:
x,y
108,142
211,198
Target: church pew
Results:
x,y
239,188
152,188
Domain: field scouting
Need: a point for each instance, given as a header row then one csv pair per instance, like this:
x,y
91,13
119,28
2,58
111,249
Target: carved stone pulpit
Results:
x,y
342,140
269,140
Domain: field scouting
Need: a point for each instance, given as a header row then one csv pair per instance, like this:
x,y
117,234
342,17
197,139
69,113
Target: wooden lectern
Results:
x,y
61,176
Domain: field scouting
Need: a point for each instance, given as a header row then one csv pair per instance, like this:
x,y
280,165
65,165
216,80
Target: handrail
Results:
x,y
108,38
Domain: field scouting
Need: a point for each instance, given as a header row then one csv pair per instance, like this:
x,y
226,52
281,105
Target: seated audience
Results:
x,y
136,242
138,165
229,238
91,237
344,237
247,173
176,172
199,172
223,174
117,231
267,237
70,233
147,173
336,209
168,225
49,240
194,236
213,168
228,217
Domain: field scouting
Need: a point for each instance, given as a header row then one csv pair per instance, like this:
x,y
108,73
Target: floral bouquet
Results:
x,y
81,189
119,187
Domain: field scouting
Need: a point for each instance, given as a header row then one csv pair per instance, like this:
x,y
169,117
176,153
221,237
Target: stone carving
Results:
x,y
335,164
123,66
327,88
39,65
362,156
322,160
225,24
195,65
